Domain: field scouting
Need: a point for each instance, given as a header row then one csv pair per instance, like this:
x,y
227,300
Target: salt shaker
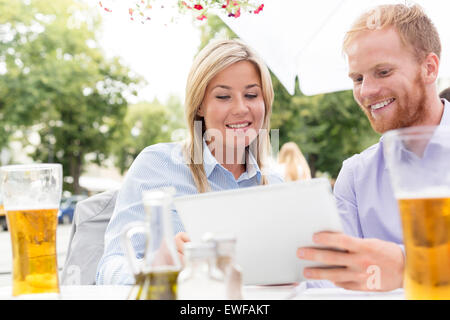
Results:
x,y
226,251
200,279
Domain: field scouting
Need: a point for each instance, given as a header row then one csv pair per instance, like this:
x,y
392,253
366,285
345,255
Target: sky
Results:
x,y
161,53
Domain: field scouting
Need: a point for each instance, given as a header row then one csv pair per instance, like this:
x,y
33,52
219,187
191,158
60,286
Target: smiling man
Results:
x,y
393,54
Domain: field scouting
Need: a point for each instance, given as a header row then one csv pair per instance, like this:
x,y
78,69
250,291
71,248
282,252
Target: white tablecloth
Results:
x,y
249,293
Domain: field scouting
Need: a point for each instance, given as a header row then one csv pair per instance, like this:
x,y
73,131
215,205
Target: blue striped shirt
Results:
x,y
157,166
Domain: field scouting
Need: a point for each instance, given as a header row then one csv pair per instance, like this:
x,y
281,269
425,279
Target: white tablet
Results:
x,y
270,223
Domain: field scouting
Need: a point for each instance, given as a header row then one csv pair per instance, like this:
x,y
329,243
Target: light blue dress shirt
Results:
x,y
157,166
365,197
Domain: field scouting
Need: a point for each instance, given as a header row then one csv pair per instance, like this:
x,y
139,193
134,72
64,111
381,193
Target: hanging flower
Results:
x,y
199,8
260,8
183,3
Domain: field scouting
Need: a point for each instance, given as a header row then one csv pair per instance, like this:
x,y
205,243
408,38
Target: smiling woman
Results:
x,y
228,86
233,114
228,102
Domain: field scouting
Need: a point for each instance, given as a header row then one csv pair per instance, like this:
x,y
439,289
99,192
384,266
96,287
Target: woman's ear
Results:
x,y
200,112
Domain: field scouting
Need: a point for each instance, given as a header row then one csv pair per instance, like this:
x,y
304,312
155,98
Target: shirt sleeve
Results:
x,y
310,284
146,172
344,192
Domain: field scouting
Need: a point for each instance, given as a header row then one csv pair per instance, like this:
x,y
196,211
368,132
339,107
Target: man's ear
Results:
x,y
431,68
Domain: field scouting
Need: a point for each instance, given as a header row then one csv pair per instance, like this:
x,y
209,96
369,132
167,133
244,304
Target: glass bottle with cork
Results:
x,y
157,273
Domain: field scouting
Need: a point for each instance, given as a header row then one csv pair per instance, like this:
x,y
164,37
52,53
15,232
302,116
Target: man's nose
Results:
x,y
369,88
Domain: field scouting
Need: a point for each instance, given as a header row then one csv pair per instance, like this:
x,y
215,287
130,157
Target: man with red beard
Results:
x,y
393,54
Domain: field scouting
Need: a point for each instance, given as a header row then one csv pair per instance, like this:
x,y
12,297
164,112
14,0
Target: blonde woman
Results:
x,y
228,104
292,163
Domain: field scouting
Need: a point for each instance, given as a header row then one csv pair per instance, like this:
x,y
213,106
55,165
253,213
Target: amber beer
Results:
x,y
33,238
426,233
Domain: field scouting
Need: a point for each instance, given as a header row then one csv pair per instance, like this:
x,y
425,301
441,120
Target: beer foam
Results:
x,y
429,193
28,208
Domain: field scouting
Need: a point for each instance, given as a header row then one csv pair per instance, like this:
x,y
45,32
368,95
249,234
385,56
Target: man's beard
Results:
x,y
410,111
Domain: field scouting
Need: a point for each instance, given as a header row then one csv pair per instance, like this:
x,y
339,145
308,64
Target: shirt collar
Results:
x,y
252,168
210,162
445,119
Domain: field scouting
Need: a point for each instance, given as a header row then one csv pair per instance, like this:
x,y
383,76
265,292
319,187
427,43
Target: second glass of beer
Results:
x,y
418,160
31,196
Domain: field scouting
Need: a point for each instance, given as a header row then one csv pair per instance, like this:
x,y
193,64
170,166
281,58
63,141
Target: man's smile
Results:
x,y
381,104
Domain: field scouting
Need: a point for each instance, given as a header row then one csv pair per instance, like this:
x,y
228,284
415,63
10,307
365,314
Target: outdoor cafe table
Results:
x,y
249,293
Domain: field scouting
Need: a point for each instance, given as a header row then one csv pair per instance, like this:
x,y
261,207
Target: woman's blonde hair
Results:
x,y
412,24
212,59
292,157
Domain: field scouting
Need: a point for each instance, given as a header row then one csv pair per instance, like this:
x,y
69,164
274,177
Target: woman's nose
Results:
x,y
239,106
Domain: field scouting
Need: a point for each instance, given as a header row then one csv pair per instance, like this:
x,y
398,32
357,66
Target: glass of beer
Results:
x,y
31,197
418,161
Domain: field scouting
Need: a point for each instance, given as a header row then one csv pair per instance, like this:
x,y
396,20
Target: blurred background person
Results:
x,y
292,165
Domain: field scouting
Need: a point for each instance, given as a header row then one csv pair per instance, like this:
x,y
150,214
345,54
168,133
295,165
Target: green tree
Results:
x,y
145,124
175,109
214,28
328,128
58,79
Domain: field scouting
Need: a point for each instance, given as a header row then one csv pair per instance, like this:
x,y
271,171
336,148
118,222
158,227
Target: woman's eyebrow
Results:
x,y
222,86
229,88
